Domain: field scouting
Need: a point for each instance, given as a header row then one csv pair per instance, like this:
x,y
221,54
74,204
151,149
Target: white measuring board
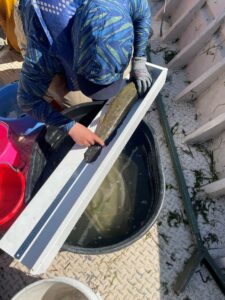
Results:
x,y
39,232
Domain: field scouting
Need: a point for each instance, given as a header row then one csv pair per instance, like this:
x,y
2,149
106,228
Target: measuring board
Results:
x,y
39,232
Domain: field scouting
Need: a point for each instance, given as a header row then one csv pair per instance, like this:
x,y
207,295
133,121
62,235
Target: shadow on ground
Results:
x,y
12,278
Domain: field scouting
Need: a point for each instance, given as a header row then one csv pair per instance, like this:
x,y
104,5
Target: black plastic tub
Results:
x,y
127,203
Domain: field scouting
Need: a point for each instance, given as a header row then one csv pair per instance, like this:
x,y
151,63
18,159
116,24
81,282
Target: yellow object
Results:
x,y
7,21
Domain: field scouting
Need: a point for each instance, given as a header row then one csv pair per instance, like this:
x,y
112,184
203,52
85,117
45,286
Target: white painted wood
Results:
x,y
193,90
207,131
215,189
187,53
179,26
33,213
170,6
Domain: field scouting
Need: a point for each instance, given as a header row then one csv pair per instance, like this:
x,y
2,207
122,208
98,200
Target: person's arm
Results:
x,y
141,17
35,78
36,75
38,70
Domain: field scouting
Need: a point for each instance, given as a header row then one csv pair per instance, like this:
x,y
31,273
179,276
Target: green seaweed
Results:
x,y
165,288
169,264
210,239
187,151
169,55
173,256
199,178
174,219
170,187
202,206
184,132
164,237
190,247
174,128
209,157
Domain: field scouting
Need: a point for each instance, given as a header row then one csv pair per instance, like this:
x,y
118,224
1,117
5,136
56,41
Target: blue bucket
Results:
x,y
10,113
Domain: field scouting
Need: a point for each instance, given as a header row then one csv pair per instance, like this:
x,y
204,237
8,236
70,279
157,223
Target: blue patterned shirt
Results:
x,y
93,38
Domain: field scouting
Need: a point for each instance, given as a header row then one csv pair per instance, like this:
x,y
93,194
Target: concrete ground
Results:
x,y
147,269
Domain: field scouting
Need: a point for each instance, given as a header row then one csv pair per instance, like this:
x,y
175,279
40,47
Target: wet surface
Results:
x,y
125,201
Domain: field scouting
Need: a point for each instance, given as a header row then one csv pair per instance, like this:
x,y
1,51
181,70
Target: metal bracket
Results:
x,y
201,254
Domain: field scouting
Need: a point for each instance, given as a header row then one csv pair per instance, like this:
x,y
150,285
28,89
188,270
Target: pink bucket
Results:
x,y
8,152
12,189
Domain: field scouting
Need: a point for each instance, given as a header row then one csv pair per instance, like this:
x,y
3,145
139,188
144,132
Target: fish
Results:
x,y
115,114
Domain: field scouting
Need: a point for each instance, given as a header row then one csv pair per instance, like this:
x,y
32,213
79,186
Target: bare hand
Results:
x,y
84,136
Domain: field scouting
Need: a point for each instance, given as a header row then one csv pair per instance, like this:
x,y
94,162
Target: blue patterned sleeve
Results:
x,y
141,17
36,75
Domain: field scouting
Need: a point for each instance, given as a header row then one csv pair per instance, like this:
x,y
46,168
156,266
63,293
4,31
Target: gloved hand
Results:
x,y
140,74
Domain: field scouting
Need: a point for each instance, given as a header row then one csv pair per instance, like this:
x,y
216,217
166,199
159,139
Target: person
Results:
x,y
57,94
7,22
90,43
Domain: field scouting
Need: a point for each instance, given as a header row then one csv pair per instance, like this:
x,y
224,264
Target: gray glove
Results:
x,y
141,75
